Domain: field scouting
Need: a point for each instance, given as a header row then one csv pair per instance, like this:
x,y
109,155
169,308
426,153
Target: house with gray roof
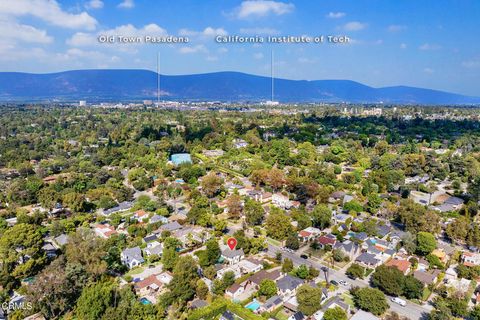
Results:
x,y
132,257
427,277
228,315
383,230
368,260
122,206
363,315
348,248
157,218
341,218
155,248
196,304
337,195
233,256
287,286
271,304
61,240
171,227
347,198
360,236
150,238
49,250
335,302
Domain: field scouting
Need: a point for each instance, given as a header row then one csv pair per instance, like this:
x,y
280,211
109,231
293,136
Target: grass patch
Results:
x,y
368,271
316,253
280,314
135,271
273,242
347,297
426,293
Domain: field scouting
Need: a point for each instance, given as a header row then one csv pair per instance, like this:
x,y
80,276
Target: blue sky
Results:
x,y
432,44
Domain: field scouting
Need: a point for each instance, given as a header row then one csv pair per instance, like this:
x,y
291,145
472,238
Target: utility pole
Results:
x,y
325,272
158,78
272,74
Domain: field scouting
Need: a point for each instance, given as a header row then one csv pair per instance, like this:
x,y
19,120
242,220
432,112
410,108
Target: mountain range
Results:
x,y
135,85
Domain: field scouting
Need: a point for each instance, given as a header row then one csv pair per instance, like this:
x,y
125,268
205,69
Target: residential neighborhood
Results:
x,y
336,226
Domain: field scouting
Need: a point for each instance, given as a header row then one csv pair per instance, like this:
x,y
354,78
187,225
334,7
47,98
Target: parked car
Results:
x,y
399,301
343,282
335,283
304,256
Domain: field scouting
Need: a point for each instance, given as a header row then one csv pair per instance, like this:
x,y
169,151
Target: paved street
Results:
x,y
411,310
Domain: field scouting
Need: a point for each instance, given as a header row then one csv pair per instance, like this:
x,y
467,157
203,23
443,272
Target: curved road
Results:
x,y
412,311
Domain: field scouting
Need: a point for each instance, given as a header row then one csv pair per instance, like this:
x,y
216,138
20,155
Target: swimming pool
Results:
x,y
145,301
254,305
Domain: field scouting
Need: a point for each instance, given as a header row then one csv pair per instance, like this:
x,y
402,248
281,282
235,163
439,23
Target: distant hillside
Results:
x,y
129,85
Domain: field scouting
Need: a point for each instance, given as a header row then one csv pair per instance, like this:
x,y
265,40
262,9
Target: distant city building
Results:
x,y
272,103
82,103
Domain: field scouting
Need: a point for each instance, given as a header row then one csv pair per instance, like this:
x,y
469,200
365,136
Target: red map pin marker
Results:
x,y
232,243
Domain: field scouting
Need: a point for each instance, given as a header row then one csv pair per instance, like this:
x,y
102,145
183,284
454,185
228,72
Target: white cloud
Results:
x,y
79,53
258,55
429,46
212,58
396,28
75,57
126,4
260,31
261,8
403,46
9,52
48,11
207,32
428,70
81,39
354,26
222,50
336,15
194,49
14,31
471,64
94,4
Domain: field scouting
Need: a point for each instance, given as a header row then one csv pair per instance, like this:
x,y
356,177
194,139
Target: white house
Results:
x,y
140,215
281,201
132,257
104,230
470,259
233,256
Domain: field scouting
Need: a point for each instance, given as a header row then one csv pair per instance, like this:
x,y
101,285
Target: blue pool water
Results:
x,y
254,305
145,301
179,158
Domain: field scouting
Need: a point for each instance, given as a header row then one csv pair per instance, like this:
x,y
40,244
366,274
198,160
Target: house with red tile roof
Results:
x,y
403,265
104,230
140,215
327,240
470,259
308,234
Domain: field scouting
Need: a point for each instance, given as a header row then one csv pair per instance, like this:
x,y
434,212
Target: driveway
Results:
x,y
411,310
